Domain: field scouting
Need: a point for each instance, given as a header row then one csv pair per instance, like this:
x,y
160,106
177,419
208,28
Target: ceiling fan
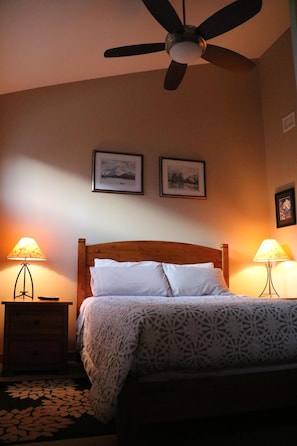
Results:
x,y
186,43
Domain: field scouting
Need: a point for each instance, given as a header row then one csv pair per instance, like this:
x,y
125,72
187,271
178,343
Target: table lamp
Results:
x,y
26,250
270,251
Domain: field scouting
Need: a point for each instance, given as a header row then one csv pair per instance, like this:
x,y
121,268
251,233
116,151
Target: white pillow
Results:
x,y
196,265
186,280
131,279
104,262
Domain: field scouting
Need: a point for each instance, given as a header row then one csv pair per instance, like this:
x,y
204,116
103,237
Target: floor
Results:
x,y
75,370
109,440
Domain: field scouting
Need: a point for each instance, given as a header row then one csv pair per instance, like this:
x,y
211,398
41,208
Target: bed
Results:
x,y
181,349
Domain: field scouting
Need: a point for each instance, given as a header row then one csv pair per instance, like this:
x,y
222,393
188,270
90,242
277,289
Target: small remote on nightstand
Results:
x,y
48,298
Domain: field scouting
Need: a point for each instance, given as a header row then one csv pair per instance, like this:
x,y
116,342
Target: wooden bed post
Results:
x,y
225,261
81,271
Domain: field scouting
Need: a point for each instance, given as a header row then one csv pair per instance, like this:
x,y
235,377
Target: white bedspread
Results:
x,y
120,334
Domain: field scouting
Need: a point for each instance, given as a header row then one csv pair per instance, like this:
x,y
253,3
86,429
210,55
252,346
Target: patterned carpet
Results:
x,y
49,409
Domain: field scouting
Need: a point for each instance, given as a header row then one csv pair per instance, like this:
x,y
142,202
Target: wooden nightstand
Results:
x,y
35,336
288,298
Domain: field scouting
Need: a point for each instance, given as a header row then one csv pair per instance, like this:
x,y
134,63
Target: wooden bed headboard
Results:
x,y
135,251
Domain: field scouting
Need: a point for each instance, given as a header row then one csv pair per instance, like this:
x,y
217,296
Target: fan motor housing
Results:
x,y
185,47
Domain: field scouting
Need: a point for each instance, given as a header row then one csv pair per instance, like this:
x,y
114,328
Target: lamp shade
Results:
x,y
26,249
270,251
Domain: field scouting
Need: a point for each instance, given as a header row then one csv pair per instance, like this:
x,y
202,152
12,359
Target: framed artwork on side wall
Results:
x,y
182,178
117,172
285,208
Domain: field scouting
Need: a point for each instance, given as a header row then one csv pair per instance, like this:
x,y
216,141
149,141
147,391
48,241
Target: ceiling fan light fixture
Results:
x,y
185,52
186,47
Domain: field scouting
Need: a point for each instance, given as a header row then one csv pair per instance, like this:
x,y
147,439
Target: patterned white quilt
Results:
x,y
120,334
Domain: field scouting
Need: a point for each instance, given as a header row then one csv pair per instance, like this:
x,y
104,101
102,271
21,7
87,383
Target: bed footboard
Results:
x,y
142,402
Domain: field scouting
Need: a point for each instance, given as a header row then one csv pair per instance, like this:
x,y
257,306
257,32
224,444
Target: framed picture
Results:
x,y
182,178
285,208
117,172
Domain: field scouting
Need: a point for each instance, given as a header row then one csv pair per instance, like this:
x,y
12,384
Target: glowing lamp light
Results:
x,y
270,251
25,250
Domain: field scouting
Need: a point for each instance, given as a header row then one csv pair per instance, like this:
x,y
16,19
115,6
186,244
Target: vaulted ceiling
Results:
x,y
48,42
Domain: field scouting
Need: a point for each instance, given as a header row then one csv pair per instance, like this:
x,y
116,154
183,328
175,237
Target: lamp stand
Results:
x,y
25,270
269,284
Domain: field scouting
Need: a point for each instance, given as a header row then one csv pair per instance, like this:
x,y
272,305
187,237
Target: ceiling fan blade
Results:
x,y
165,14
174,75
228,18
230,60
134,50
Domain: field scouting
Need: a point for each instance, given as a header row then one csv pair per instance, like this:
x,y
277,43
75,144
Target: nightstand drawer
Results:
x,y
39,354
35,322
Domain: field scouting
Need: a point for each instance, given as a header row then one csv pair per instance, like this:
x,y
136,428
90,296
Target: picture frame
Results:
x,y
285,208
117,172
288,122
182,178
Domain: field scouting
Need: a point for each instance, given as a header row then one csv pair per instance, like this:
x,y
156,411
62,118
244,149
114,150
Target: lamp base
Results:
x,y
23,294
271,291
269,295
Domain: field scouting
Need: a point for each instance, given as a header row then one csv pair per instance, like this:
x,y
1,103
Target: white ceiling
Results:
x,y
48,42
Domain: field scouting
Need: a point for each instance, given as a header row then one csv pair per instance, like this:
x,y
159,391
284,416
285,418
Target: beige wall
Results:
x,y
293,19
279,98
46,141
